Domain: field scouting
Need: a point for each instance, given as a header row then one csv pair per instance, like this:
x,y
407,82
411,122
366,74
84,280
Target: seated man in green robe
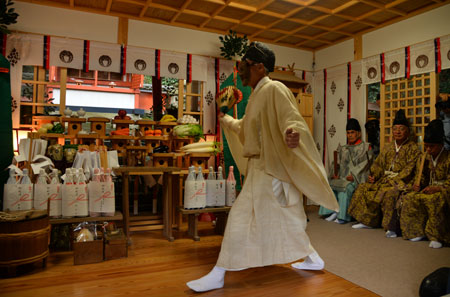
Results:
x,y
373,203
353,160
425,210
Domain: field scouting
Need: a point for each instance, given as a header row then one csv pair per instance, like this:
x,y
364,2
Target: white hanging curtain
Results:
x,y
358,95
173,65
226,69
395,64
422,57
140,60
445,52
66,52
371,70
209,95
336,111
319,110
21,50
104,56
199,68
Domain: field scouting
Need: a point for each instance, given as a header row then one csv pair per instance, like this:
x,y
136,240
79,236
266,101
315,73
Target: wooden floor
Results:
x,y
156,267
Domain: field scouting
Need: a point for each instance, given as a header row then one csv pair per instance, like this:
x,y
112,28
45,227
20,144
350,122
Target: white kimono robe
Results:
x,y
266,224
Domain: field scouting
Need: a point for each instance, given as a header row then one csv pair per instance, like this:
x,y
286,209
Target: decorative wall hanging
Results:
x,y
333,87
332,131
358,82
233,46
318,107
341,104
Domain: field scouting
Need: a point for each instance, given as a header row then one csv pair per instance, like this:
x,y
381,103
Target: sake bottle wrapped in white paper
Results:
x,y
211,189
231,188
45,193
200,190
19,195
74,197
101,196
220,189
189,189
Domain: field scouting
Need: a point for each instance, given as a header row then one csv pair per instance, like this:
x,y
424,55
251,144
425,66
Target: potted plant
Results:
x,y
233,45
7,16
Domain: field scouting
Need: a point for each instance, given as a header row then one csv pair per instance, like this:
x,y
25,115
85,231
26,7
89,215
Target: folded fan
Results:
x,y
228,97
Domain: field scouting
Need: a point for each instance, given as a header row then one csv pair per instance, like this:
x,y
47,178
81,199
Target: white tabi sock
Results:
x,y
435,244
311,262
418,238
213,280
332,217
361,226
391,234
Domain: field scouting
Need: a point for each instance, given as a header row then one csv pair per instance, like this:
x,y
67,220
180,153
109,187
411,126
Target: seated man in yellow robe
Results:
x,y
373,203
425,210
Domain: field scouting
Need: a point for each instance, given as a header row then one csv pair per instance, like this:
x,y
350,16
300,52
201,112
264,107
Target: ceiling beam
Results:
x,y
181,10
144,9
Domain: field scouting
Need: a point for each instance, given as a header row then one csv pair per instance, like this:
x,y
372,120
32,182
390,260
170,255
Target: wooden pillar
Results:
x,y
122,32
358,47
157,98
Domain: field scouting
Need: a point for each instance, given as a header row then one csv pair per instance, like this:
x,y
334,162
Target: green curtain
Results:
x,y
228,158
6,149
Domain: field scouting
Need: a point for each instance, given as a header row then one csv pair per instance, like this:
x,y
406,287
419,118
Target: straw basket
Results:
x,y
23,239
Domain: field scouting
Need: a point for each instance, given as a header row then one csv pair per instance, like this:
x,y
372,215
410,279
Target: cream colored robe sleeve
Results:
x,y
231,128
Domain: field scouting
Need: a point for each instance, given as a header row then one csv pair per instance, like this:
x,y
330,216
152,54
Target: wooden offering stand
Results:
x,y
179,142
151,141
120,142
74,125
98,125
197,160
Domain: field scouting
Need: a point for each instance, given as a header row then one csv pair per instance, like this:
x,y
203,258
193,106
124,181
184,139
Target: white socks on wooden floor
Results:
x,y
213,280
435,244
361,226
331,217
391,234
418,238
311,262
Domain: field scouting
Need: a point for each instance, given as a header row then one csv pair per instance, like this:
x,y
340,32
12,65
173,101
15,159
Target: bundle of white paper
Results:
x,y
39,147
44,193
90,160
75,201
101,198
17,197
40,161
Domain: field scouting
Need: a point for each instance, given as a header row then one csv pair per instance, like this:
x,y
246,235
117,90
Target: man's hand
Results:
x,y
431,189
221,114
350,178
416,188
292,138
371,179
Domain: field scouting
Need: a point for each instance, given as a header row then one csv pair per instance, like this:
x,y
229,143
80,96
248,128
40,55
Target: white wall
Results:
x,y
335,55
53,21
426,26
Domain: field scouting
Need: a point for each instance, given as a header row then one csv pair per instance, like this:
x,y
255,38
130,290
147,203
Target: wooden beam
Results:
x,y
122,32
182,8
144,9
108,6
215,13
71,3
344,6
357,47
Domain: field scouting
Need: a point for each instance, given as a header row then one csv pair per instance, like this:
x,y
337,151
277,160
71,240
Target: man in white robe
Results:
x,y
274,149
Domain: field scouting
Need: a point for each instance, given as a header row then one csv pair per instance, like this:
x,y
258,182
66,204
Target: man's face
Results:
x,y
353,136
247,72
400,132
433,148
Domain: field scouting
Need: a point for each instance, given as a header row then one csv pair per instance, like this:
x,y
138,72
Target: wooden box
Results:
x,y
163,159
74,125
87,252
115,246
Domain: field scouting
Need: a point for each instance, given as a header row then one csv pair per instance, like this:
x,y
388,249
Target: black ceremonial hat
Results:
x,y
353,124
260,53
400,118
434,132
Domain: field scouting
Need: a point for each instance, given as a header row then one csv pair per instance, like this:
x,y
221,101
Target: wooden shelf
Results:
x,y
149,137
118,121
117,217
78,120
145,122
118,137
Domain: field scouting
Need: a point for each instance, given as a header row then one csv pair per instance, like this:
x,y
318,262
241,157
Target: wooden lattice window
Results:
x,y
417,96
